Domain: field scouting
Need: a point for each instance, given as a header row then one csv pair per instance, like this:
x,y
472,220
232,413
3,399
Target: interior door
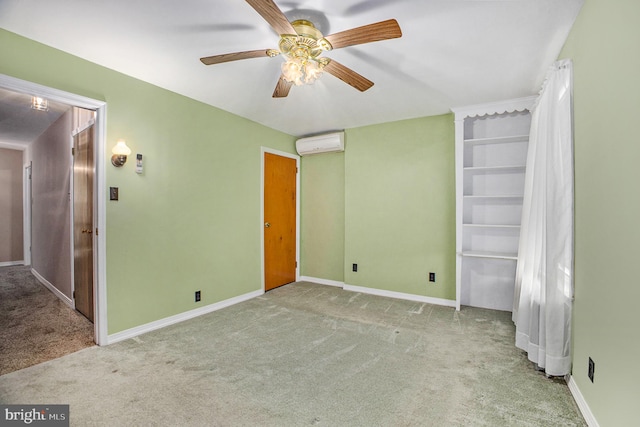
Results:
x,y
83,175
280,220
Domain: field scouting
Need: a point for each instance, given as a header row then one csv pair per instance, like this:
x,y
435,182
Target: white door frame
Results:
x,y
99,257
264,150
26,210
26,207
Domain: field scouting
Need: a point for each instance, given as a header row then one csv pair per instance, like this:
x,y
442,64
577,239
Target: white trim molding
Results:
x,y
13,146
320,281
26,211
158,324
11,263
401,295
582,403
65,299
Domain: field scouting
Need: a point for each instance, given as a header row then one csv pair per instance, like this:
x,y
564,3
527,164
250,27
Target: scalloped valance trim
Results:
x,y
490,108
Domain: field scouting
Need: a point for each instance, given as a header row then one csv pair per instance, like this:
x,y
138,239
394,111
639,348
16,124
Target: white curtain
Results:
x,y
544,274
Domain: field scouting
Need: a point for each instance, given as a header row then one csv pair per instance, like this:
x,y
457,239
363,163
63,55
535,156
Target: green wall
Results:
x,y
387,204
192,220
322,216
400,206
604,45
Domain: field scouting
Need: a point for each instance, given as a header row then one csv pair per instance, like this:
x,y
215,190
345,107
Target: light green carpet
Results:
x,y
307,354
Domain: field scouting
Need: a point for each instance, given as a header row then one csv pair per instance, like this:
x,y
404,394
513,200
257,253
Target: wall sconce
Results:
x,y
120,153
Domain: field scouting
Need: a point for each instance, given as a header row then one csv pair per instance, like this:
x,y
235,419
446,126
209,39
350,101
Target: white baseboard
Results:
x,y
65,299
401,295
11,263
158,324
582,404
321,281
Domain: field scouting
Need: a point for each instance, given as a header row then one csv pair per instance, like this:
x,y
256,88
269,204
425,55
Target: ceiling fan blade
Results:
x,y
227,57
282,88
348,76
273,15
384,30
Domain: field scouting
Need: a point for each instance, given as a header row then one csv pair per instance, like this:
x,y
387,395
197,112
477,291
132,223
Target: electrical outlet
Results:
x,y
432,277
113,193
592,368
197,296
354,268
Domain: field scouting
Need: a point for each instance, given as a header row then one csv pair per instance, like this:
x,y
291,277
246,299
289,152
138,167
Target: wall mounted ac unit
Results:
x,y
320,144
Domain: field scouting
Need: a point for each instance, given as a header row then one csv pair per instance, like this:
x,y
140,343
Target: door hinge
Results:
x,y
296,264
73,151
96,231
74,295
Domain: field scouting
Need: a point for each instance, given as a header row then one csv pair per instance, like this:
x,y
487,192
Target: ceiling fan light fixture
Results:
x,y
303,64
300,71
302,44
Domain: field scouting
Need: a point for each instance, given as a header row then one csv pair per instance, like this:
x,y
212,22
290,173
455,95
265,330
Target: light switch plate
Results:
x,y
113,193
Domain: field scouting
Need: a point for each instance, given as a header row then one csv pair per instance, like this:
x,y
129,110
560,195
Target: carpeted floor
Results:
x,y
307,354
35,325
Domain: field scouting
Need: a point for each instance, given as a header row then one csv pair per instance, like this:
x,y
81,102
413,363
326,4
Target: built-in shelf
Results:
x,y
504,197
495,255
495,169
489,197
492,143
491,226
498,140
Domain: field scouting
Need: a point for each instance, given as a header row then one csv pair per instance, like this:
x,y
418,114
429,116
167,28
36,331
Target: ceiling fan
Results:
x,y
302,44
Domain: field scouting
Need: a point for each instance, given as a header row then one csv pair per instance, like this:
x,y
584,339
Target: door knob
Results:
x,y
267,225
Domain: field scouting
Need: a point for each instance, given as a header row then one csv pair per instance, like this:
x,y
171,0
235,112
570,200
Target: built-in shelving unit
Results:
x,y
491,156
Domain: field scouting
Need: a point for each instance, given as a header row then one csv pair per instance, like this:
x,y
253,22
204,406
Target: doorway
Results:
x,y
99,209
280,218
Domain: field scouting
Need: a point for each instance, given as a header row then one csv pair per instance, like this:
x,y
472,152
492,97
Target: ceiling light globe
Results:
x,y
292,71
312,72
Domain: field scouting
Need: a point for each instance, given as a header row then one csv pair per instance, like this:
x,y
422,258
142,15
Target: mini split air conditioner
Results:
x,y
320,144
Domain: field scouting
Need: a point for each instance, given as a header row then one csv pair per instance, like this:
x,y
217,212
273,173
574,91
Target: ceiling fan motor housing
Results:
x,y
308,43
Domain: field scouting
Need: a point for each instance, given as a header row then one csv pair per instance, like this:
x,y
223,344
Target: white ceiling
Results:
x,y
452,52
21,125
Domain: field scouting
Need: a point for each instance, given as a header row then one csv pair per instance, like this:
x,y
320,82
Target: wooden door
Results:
x,y
83,174
280,220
